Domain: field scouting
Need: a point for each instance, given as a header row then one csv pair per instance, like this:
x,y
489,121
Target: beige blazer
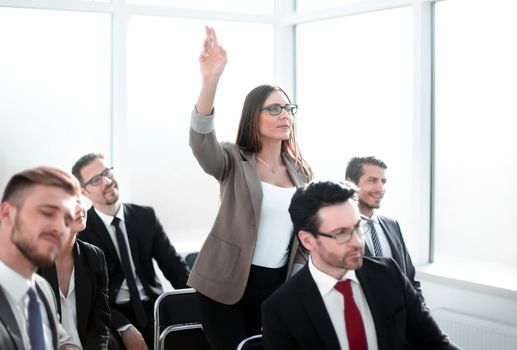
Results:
x,y
222,267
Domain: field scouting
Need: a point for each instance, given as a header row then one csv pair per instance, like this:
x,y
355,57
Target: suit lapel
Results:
x,y
367,251
102,233
82,289
7,317
390,236
50,274
249,168
313,303
50,311
371,292
298,178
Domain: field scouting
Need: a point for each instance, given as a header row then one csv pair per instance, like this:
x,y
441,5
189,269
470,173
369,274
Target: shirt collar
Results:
x,y
326,283
374,218
14,283
107,219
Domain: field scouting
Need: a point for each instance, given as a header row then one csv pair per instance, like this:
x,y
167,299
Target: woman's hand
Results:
x,y
212,59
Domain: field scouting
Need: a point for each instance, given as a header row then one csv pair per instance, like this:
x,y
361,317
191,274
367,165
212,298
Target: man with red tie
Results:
x,y
341,299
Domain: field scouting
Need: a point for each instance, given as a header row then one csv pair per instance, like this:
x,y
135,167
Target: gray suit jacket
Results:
x,y
222,267
398,250
10,334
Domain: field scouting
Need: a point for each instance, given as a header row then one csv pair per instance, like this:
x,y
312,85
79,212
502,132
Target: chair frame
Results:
x,y
245,342
159,337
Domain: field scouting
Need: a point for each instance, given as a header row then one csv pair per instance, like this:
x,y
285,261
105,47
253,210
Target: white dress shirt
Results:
x,y
383,239
69,311
335,305
15,288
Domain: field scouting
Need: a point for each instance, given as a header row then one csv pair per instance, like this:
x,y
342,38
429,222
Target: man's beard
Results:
x,y
29,249
368,206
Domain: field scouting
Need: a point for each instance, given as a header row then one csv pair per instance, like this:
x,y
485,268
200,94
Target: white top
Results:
x,y
123,295
69,311
15,288
275,227
335,305
383,240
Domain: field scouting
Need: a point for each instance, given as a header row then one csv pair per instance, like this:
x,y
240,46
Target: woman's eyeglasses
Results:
x,y
275,109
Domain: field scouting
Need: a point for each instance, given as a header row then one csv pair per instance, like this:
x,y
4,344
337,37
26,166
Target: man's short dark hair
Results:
x,y
309,199
354,169
82,162
19,185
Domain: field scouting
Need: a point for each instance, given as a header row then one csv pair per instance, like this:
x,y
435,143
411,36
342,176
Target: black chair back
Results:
x,y
178,322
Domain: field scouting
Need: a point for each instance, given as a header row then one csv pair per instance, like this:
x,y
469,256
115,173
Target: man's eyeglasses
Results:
x,y
342,236
276,109
97,179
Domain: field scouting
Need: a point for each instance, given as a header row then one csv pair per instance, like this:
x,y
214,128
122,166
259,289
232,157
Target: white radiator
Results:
x,y
472,333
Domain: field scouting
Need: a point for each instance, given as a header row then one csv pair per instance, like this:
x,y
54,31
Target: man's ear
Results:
x,y
306,239
7,213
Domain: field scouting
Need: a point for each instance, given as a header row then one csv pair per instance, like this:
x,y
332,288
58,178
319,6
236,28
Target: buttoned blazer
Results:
x,y
10,333
222,267
295,316
91,294
398,250
147,241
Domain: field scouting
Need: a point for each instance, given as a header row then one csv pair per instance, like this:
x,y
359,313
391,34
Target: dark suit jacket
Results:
x,y
398,250
91,294
295,317
147,241
10,334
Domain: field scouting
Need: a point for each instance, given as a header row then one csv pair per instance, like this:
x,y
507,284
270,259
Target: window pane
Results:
x,y
311,5
54,87
163,86
254,6
476,79
355,97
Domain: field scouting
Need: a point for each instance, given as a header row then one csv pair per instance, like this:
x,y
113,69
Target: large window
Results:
x,y
476,166
163,85
354,84
255,6
54,87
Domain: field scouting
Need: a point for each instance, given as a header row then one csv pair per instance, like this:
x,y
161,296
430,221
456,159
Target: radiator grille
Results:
x,y
473,333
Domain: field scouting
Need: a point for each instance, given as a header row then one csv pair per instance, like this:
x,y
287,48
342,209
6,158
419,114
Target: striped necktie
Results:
x,y
375,239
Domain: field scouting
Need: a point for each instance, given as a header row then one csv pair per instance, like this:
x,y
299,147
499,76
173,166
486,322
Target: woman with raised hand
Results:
x,y
250,250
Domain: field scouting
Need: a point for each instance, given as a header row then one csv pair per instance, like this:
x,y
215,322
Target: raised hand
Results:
x,y
212,59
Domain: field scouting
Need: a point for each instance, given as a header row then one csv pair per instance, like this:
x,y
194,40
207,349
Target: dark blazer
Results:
x,y
147,241
398,250
10,334
91,294
223,265
295,316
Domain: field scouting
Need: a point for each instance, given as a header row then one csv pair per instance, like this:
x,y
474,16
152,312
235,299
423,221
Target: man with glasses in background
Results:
x,y
368,173
131,237
339,299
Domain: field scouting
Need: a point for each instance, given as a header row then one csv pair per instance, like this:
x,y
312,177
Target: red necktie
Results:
x,y
353,321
